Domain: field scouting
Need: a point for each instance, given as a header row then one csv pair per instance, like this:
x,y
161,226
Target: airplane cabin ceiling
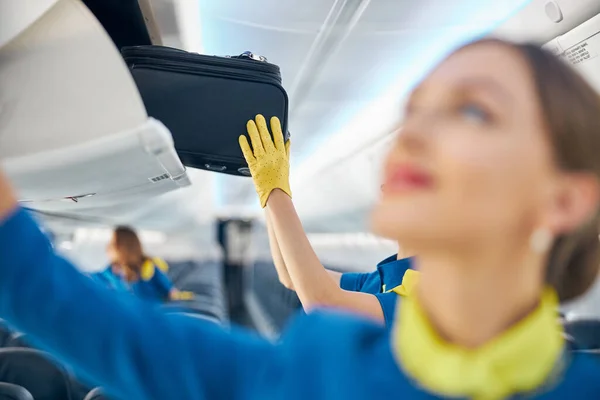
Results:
x,y
347,65
338,56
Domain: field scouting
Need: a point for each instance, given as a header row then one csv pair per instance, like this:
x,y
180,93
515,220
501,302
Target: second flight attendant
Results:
x,y
146,276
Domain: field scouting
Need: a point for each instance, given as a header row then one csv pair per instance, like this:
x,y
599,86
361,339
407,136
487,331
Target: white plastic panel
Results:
x,y
581,48
74,133
17,15
122,167
533,23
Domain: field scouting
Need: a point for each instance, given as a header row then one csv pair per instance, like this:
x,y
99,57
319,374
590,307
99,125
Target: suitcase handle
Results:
x,y
215,167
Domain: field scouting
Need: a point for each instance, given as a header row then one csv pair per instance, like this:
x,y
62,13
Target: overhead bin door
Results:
x,y
74,133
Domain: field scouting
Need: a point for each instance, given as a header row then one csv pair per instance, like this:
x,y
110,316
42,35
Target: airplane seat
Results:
x,y
17,340
34,371
205,281
276,301
179,270
5,334
584,332
95,394
201,316
8,391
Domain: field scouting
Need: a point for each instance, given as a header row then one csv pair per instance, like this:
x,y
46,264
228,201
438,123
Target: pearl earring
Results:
x,y
540,240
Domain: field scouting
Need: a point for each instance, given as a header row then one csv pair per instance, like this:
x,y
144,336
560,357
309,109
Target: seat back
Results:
x,y
95,394
8,391
17,340
5,334
36,372
584,332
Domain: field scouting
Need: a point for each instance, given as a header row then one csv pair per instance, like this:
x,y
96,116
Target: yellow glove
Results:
x,y
269,163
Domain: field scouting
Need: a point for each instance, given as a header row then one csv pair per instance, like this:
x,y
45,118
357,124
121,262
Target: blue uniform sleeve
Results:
x,y
388,303
353,281
162,283
132,349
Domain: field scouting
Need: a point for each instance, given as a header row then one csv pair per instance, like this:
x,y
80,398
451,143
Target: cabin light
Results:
x,y
352,239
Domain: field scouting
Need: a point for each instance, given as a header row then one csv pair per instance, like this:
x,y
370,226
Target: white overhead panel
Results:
x,y
340,173
338,57
580,47
17,16
543,20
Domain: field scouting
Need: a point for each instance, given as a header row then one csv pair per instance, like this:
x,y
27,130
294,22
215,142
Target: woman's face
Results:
x,y
472,159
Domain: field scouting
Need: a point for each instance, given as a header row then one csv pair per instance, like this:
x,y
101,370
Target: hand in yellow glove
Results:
x,y
268,159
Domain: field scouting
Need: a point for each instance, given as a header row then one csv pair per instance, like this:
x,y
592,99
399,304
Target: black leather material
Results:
x,y
34,371
206,101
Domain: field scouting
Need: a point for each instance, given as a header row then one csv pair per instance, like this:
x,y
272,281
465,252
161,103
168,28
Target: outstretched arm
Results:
x,y
268,160
282,272
130,348
313,283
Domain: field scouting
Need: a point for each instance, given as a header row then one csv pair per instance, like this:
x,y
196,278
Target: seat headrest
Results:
x,y
36,371
584,332
8,391
95,394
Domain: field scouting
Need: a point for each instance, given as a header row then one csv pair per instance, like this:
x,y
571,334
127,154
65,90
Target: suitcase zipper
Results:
x,y
246,61
206,69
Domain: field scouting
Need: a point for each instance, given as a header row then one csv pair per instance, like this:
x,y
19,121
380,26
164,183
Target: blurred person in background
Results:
x,y
146,276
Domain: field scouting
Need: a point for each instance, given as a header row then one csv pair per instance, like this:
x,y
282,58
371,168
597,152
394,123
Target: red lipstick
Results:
x,y
406,177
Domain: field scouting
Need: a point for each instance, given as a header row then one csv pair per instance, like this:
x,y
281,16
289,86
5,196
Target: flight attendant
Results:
x,y
146,276
494,182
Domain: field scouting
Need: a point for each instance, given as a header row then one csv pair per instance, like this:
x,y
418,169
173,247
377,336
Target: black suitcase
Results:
x,y
206,101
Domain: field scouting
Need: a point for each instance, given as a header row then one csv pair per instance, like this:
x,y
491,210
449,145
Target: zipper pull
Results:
x,y
251,56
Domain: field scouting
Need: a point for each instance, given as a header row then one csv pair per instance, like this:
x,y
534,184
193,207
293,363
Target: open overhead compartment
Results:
x,y
74,133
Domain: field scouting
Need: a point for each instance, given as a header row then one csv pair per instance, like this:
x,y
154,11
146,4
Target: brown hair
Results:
x,y
130,251
571,111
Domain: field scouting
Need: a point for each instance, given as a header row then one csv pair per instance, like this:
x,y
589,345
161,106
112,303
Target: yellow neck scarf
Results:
x,y
409,282
518,361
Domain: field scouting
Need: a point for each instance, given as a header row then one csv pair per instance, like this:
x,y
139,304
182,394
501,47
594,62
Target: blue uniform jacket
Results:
x,y
155,287
388,275
107,277
135,351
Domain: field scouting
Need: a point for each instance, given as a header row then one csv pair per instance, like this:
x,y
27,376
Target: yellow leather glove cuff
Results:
x,y
268,159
